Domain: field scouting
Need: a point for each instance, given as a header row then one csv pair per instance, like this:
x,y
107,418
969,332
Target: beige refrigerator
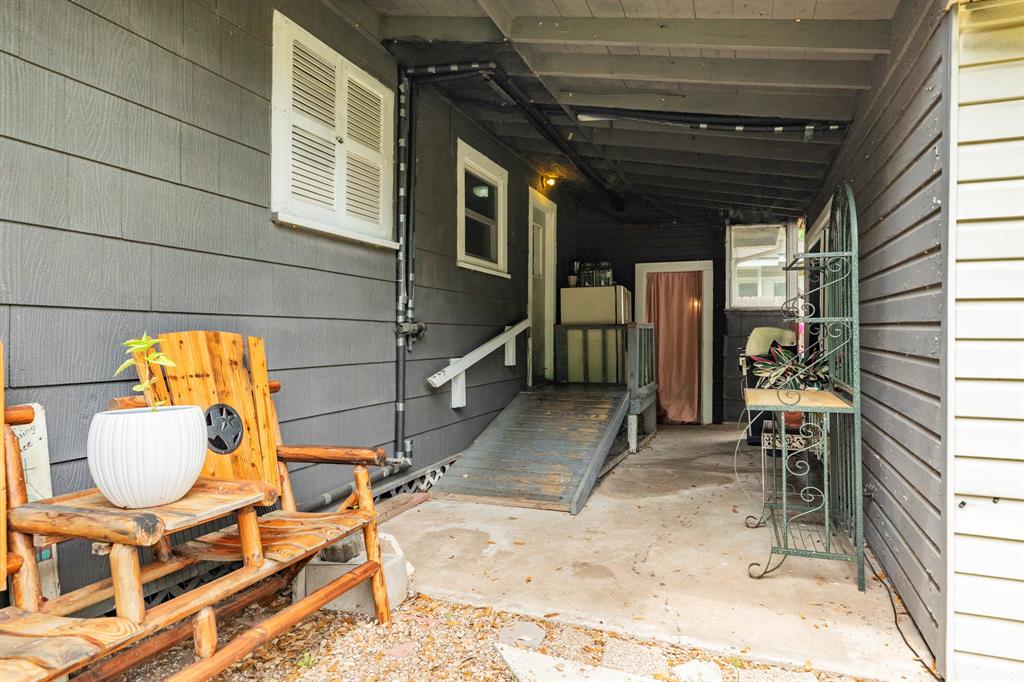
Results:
x,y
597,305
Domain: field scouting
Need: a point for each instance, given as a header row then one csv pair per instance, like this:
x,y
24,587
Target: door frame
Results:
x,y
550,209
707,270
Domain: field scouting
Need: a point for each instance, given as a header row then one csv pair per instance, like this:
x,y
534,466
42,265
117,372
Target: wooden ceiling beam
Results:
x,y
803,196
742,200
793,73
868,37
792,169
683,141
733,178
698,202
864,37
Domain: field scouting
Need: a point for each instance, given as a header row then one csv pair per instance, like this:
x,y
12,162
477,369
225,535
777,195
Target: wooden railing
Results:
x,y
640,359
455,372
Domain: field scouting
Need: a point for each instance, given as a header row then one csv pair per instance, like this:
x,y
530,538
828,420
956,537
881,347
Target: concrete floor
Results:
x,y
660,551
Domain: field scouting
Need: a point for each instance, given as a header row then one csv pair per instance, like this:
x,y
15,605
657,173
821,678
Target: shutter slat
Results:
x,y
364,116
363,188
313,167
313,85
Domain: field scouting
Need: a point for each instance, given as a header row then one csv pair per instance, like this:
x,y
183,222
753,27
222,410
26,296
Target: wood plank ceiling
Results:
x,y
602,69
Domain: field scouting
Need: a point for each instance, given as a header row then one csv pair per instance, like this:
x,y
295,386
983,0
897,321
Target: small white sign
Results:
x,y
35,458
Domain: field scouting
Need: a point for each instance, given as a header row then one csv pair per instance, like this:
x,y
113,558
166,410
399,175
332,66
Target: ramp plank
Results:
x,y
545,449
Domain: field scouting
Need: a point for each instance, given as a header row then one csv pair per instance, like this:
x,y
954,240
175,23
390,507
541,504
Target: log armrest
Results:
x,y
332,454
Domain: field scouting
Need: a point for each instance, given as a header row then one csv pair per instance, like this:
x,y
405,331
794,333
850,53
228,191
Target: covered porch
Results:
x,y
682,578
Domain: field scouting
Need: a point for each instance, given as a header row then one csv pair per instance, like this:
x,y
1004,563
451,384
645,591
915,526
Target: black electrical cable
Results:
x,y
896,619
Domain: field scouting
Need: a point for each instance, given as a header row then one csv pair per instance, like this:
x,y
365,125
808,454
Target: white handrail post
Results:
x,y
458,386
510,350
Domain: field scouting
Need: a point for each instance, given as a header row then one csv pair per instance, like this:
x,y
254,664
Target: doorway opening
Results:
x,y
678,298
541,287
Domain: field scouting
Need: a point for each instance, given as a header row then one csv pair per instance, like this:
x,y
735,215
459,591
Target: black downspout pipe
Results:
x,y
405,327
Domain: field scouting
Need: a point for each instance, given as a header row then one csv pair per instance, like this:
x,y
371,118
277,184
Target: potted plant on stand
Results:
x,y
784,369
147,456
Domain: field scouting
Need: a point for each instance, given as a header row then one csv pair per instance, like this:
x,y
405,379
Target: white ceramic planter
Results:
x,y
145,458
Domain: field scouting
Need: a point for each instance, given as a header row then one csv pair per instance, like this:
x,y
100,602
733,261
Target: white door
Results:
x,y
543,216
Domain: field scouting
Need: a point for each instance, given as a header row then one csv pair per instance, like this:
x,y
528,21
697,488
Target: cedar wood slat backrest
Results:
x,y
210,369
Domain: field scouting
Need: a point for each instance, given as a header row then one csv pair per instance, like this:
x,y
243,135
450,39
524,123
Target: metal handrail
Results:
x,y
455,372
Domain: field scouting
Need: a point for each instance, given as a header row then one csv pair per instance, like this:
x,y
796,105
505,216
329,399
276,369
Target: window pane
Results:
x,y
757,258
482,239
481,196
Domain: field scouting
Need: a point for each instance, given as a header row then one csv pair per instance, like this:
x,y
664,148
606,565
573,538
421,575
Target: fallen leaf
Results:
x,y
401,651
808,666
529,578
551,615
518,542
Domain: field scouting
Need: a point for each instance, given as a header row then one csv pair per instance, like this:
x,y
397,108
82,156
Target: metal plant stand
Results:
x,y
811,476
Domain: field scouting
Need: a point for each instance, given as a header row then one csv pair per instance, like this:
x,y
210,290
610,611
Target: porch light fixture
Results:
x,y
549,181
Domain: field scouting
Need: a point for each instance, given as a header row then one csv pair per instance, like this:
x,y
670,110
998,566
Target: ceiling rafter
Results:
x,y
792,169
864,37
683,142
503,17
869,37
792,73
720,187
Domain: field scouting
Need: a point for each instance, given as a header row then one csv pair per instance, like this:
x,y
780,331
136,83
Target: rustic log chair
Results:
x,y
37,639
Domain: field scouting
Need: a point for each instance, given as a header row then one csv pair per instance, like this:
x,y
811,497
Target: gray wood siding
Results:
x,y
602,239
135,141
896,157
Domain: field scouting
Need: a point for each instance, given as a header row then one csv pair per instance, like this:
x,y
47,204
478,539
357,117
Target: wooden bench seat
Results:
x,y
38,646
40,641
286,535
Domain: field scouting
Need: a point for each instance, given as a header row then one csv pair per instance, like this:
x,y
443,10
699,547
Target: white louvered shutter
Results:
x,y
307,80
367,154
333,140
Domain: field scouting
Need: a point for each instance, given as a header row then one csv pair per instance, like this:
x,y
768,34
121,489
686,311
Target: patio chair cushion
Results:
x,y
286,536
38,646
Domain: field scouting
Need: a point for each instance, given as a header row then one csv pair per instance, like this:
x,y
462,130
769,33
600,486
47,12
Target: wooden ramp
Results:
x,y
544,450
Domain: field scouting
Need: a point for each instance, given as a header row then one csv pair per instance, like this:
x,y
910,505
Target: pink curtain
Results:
x,y
673,305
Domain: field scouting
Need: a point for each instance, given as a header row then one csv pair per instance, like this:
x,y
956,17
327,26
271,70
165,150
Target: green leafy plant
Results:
x,y
783,368
153,359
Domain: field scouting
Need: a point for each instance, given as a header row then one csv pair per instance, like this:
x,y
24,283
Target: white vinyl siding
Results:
x,y
332,141
987,629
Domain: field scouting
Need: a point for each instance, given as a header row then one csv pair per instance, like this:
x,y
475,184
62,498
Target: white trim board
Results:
x,y
707,354
551,240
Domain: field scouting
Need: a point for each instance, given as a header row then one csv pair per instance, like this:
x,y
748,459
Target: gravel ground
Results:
x,y
433,640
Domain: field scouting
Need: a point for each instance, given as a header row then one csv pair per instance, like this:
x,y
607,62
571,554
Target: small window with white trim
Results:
x,y
332,141
758,255
482,212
